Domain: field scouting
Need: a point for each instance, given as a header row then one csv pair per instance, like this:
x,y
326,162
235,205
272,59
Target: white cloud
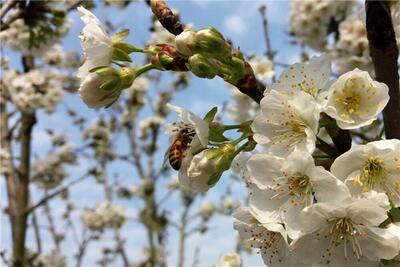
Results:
x,y
235,25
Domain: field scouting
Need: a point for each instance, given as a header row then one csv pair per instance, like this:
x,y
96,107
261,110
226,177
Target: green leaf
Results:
x,y
210,115
120,55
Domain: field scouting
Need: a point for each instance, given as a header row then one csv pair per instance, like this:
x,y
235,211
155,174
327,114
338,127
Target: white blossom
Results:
x,y
355,100
207,209
231,259
263,68
192,122
18,37
345,234
242,108
160,35
52,259
36,89
95,41
269,238
287,122
309,20
284,186
374,166
56,55
92,220
113,215
312,77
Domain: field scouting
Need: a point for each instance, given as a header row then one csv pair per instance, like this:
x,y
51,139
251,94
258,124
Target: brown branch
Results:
x,y
384,54
248,85
6,6
54,194
270,53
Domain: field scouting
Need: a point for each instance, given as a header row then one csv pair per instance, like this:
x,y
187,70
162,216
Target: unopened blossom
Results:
x,y
207,209
312,78
355,100
263,68
190,123
287,122
95,41
284,186
374,166
345,233
271,239
231,259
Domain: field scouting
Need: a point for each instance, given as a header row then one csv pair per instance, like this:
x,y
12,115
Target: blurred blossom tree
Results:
x,y
318,150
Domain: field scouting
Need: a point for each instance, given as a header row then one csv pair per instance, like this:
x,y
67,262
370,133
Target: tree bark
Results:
x,y
384,54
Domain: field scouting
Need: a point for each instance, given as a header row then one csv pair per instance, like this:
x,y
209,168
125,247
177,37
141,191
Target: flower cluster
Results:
x,y
301,214
49,172
52,259
99,136
25,38
309,21
36,89
105,215
352,50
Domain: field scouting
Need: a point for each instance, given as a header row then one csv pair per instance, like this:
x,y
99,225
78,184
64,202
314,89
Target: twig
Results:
x,y
37,233
51,228
328,149
55,193
270,53
6,7
384,54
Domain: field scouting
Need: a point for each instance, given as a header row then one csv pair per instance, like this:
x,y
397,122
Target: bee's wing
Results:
x,y
166,159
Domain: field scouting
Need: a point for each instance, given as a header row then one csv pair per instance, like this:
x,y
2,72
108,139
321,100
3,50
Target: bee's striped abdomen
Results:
x,y
175,155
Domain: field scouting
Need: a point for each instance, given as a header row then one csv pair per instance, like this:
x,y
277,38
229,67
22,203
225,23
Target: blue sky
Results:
x,y
237,20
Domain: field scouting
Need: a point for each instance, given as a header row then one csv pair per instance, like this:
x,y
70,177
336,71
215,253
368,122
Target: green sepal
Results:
x,y
106,71
216,133
120,55
214,178
395,214
213,153
110,85
128,48
249,146
209,117
109,105
120,35
98,68
245,127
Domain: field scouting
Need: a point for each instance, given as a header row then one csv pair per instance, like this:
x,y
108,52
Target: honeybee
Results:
x,y
180,144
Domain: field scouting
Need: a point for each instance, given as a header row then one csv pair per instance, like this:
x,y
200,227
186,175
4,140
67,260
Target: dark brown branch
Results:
x,y
384,54
270,53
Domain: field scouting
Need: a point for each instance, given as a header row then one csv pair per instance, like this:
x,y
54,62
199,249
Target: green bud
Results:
x,y
165,60
185,42
237,68
211,42
201,67
127,76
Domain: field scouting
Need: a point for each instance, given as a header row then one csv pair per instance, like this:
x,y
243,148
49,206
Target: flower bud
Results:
x,y
201,67
211,42
212,162
185,42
